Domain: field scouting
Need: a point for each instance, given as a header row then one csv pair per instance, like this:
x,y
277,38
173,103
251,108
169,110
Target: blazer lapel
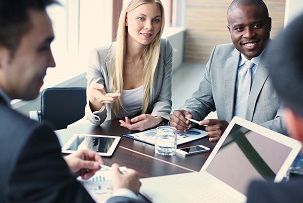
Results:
x,y
2,100
230,75
107,72
259,80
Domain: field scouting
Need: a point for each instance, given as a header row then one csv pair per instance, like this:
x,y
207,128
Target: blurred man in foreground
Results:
x,y
31,165
285,65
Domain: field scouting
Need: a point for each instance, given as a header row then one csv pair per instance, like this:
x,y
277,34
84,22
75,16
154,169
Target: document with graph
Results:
x,y
148,136
99,186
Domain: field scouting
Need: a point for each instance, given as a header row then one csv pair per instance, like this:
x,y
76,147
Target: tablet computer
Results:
x,y
104,145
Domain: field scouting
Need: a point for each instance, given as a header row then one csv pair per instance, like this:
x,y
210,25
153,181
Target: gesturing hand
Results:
x,y
98,97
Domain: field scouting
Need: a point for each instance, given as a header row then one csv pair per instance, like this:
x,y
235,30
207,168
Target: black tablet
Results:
x,y
105,145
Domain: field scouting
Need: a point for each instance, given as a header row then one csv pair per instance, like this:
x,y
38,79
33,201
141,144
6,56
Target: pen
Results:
x,y
106,168
193,120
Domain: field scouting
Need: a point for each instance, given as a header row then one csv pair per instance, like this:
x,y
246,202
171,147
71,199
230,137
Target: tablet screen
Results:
x,y
102,144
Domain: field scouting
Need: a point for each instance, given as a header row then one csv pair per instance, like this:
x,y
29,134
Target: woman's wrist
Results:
x,y
99,107
159,119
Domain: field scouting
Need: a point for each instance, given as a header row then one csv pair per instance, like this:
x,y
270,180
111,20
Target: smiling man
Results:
x,y
249,26
230,86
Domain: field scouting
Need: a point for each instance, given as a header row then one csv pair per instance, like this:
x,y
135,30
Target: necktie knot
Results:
x,y
249,64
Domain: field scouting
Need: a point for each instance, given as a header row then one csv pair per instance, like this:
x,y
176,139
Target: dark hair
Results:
x,y
14,20
284,59
240,3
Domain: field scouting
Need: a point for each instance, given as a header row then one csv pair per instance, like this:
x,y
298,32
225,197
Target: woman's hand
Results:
x,y
98,97
141,122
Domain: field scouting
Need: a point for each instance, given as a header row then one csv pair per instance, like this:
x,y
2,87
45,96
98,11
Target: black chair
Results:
x,y
61,106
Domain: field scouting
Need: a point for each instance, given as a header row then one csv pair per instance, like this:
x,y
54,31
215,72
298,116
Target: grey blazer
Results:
x,y
160,103
217,92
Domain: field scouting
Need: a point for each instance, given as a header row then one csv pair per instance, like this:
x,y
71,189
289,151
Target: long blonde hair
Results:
x,y
150,55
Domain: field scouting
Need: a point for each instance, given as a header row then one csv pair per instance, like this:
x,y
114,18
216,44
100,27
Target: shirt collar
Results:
x,y
5,97
255,60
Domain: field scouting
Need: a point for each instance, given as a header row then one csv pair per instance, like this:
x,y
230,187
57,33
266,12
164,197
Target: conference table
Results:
x,y
138,155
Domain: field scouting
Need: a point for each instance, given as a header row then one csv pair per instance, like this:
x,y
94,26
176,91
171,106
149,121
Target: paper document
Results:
x,y
148,136
99,186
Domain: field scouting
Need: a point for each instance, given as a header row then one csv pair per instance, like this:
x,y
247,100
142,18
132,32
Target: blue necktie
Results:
x,y
243,90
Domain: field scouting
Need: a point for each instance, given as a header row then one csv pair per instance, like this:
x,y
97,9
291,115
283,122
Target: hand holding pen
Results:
x,y
128,179
193,120
179,121
214,127
108,168
84,163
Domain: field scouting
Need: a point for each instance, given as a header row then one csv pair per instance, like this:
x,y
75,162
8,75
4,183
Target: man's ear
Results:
x,y
5,56
228,28
269,23
294,123
2,52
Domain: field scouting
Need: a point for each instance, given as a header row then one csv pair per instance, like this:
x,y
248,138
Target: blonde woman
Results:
x,y
130,80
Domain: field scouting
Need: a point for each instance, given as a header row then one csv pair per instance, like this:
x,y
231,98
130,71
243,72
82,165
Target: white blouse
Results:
x,y
131,101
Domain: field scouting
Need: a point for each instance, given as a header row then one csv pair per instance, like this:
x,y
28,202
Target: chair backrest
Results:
x,y
61,106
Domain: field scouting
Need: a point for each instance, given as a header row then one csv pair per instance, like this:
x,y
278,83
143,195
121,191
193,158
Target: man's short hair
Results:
x,y
240,3
14,20
285,64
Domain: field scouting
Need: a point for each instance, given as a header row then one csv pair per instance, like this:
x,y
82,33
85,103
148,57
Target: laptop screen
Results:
x,y
246,155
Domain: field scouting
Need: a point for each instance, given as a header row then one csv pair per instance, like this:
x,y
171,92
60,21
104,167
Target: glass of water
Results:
x,y
166,141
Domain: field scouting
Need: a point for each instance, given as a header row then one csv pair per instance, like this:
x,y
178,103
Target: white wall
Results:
x,y
175,36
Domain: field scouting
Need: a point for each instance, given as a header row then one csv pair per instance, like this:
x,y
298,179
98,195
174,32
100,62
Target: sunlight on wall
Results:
x,y
79,27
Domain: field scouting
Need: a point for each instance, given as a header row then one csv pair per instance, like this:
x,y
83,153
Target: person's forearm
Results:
x,y
95,105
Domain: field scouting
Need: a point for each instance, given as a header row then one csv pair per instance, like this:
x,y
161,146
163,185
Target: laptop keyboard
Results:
x,y
206,191
190,188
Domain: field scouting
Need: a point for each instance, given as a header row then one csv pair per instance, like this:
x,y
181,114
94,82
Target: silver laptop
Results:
x,y
245,152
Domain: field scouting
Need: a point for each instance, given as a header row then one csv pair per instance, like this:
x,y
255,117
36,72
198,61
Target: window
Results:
x,y
79,26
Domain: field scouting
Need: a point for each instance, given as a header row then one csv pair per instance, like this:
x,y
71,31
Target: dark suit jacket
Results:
x,y
284,192
31,165
122,199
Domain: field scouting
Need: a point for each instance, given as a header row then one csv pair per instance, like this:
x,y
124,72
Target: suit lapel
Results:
x,y
259,80
107,72
2,100
230,75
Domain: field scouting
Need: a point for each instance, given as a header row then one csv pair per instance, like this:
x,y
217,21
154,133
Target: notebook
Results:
x,y
148,136
245,152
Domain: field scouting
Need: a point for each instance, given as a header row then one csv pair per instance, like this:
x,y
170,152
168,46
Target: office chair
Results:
x,y
61,106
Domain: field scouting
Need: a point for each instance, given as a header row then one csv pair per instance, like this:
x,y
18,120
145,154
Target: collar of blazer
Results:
x,y
261,76
230,77
4,98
